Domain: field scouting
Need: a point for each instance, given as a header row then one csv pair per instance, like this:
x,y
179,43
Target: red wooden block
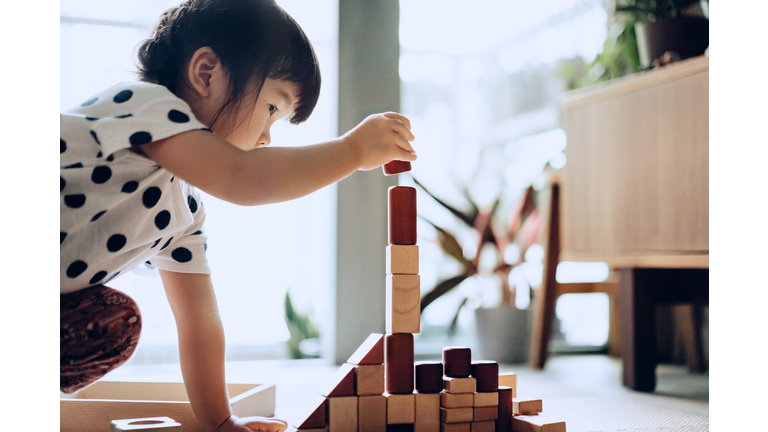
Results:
x,y
504,421
457,362
398,363
396,167
487,375
429,377
402,215
370,352
342,383
316,417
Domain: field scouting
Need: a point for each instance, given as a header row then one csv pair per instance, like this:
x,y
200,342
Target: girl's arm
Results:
x,y
269,175
201,351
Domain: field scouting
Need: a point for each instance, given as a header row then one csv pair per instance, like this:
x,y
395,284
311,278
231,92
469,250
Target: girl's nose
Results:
x,y
264,139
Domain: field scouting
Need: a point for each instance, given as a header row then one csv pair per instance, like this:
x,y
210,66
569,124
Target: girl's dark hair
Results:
x,y
253,39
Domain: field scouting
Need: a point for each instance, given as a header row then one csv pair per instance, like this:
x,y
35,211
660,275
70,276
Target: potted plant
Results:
x,y
502,331
677,27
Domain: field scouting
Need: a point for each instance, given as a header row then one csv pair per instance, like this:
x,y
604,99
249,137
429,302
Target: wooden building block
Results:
x,y
369,379
526,406
483,426
398,428
402,215
342,383
457,362
486,413
456,415
403,301
401,408
311,430
455,427
486,399
402,259
396,167
153,424
427,412
536,423
487,375
504,422
342,414
372,413
509,379
398,363
371,351
315,416
456,400
429,377
459,385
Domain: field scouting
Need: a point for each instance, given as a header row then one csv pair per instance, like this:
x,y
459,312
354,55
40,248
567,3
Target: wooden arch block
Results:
x,y
154,424
402,215
316,417
342,383
370,352
487,375
457,361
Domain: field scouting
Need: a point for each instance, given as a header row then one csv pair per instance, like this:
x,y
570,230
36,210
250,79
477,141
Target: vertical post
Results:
x,y
369,50
638,327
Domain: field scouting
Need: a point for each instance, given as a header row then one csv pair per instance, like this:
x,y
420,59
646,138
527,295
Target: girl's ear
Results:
x,y
205,73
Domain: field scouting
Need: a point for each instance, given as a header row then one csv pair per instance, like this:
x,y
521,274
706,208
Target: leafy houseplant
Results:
x,y
300,326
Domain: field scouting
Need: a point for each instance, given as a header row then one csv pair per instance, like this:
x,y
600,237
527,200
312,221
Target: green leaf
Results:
x,y
442,288
455,320
468,219
449,244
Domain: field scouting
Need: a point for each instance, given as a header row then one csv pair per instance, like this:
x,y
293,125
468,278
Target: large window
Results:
x,y
256,253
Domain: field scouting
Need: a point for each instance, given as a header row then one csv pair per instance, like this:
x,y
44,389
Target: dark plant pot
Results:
x,y
685,35
503,334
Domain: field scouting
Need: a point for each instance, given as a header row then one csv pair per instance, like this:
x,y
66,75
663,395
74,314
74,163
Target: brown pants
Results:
x,y
99,330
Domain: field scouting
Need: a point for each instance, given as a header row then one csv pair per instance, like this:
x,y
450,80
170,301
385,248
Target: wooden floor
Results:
x,y
583,390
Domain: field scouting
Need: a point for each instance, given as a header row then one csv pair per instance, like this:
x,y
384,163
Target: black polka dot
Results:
x,y
110,158
167,243
182,255
151,196
74,201
177,116
98,276
140,138
147,262
98,155
90,118
156,243
205,246
198,232
95,138
112,277
63,146
192,203
116,242
207,130
124,116
89,102
101,174
98,215
74,165
123,96
63,184
172,177
63,236
130,186
76,269
162,219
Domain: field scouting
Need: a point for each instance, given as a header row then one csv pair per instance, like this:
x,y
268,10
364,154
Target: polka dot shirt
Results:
x,y
120,211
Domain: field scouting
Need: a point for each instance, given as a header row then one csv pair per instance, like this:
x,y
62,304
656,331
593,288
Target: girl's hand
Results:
x,y
249,424
381,138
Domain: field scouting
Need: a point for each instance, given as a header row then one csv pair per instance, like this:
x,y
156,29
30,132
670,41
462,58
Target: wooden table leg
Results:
x,y
638,330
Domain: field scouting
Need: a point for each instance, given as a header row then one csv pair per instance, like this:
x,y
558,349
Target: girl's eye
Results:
x,y
272,108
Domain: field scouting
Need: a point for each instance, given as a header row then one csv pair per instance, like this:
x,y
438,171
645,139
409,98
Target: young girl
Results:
x,y
215,76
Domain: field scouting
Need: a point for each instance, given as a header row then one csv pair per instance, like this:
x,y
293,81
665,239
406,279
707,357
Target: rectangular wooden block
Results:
x,y
401,205
456,400
484,426
526,406
486,399
455,427
369,380
427,412
342,414
372,413
398,428
403,300
486,413
402,259
456,415
509,379
371,351
504,422
398,364
536,423
312,430
401,408
459,385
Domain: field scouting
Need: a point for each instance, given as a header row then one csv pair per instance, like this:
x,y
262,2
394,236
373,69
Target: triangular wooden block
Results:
x,y
343,382
370,352
315,418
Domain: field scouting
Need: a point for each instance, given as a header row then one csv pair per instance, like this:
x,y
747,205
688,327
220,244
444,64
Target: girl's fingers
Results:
x,y
396,116
266,424
401,129
405,152
403,143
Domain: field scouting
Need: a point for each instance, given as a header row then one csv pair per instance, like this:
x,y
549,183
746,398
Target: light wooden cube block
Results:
x,y
372,413
454,427
509,379
484,426
153,424
486,413
427,412
403,301
459,385
342,414
369,380
456,415
401,408
402,259
486,399
456,400
536,423
526,406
